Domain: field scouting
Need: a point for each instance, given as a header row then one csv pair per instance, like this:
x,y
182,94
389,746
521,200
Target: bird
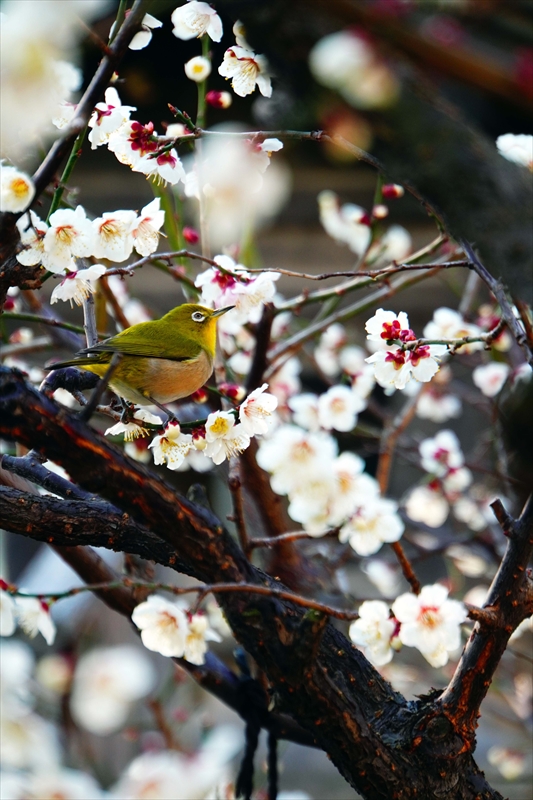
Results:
x,y
161,360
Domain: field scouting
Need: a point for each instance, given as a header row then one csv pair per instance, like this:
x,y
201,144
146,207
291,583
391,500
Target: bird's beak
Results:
x,y
220,311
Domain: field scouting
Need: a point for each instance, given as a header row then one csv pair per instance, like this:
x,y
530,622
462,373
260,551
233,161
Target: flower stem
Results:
x,y
202,86
75,153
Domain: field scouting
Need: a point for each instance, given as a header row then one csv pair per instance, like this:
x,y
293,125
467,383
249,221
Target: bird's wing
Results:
x,y
152,342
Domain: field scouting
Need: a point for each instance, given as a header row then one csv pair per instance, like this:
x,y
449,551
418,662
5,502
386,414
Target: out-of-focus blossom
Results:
x,y
338,408
525,626
194,19
438,407
27,741
348,63
107,682
304,408
70,235
427,504
348,224
255,412
33,616
468,561
134,430
285,382
7,614
107,118
146,229
441,453
517,148
327,351
77,286
218,99
16,189
384,577
225,439
394,245
246,70
61,784
263,152
16,666
198,68
351,488
172,446
373,631
143,38
509,763
198,634
113,237
490,378
375,522
352,360
449,324
430,622
54,672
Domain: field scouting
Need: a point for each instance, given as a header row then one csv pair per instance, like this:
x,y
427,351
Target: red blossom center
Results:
x,y
419,353
141,139
223,280
397,358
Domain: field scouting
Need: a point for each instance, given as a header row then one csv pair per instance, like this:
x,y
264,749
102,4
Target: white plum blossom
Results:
x,y
198,634
304,409
107,118
490,378
394,245
427,504
172,446
113,238
61,784
328,349
70,234
246,71
348,224
16,189
386,327
65,114
285,382
146,229
135,145
33,616
395,367
143,38
194,19
255,413
32,231
263,152
224,438
7,614
352,487
27,741
441,454
517,148
375,521
198,68
132,430
163,625
107,682
373,631
16,667
77,286
338,408
430,622
449,324
510,763
352,361
438,407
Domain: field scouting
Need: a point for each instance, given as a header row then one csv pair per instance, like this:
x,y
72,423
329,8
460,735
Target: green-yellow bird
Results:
x,y
161,360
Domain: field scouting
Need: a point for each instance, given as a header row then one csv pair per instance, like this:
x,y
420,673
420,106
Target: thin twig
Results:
x,y
235,487
100,388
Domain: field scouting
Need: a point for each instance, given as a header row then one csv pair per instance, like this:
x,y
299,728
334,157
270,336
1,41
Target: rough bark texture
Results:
x,y
383,745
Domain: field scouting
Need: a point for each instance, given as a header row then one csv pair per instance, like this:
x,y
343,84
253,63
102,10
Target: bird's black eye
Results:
x,y
197,316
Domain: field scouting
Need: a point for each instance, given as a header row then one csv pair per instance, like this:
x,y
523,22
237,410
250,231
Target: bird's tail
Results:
x,y
83,363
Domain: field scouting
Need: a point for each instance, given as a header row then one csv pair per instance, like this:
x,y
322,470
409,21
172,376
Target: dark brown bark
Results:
x,y
384,746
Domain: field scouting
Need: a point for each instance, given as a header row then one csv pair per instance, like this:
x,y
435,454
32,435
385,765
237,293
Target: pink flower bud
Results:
x,y
380,212
191,235
219,99
200,396
392,191
232,391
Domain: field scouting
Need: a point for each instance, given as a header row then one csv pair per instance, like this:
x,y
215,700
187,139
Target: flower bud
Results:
x,y
198,438
232,391
200,396
380,212
219,99
392,191
198,69
191,235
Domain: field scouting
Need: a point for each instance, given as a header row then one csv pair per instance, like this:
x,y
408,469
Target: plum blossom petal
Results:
x,y
373,631
172,446
113,238
490,378
163,626
199,633
194,19
107,118
33,616
517,148
255,412
146,229
32,231
224,438
77,286
246,71
143,38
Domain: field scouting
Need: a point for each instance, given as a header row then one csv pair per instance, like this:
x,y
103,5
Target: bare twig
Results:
x,y
235,487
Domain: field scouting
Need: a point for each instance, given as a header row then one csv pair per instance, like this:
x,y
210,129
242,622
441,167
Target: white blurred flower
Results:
x,y
197,69
216,617
198,634
348,224
263,152
246,71
146,229
285,383
430,622
107,118
113,237
143,38
255,413
304,409
375,521
54,672
70,234
27,741
194,19
449,324
33,616
16,667
224,438
338,408
328,348
467,560
77,286
441,453
348,63
509,763
352,487
517,148
352,360
490,378
163,625
62,784
373,631
384,577
16,189
394,245
7,614
438,407
32,231
172,446
133,430
427,504
107,682
525,626
65,114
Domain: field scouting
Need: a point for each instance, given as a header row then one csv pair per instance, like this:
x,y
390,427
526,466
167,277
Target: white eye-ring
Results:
x,y
197,316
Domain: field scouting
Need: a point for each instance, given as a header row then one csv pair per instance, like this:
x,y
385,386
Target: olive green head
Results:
x,y
196,323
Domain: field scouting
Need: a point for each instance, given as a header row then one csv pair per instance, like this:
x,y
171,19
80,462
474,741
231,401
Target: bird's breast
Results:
x,y
168,380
